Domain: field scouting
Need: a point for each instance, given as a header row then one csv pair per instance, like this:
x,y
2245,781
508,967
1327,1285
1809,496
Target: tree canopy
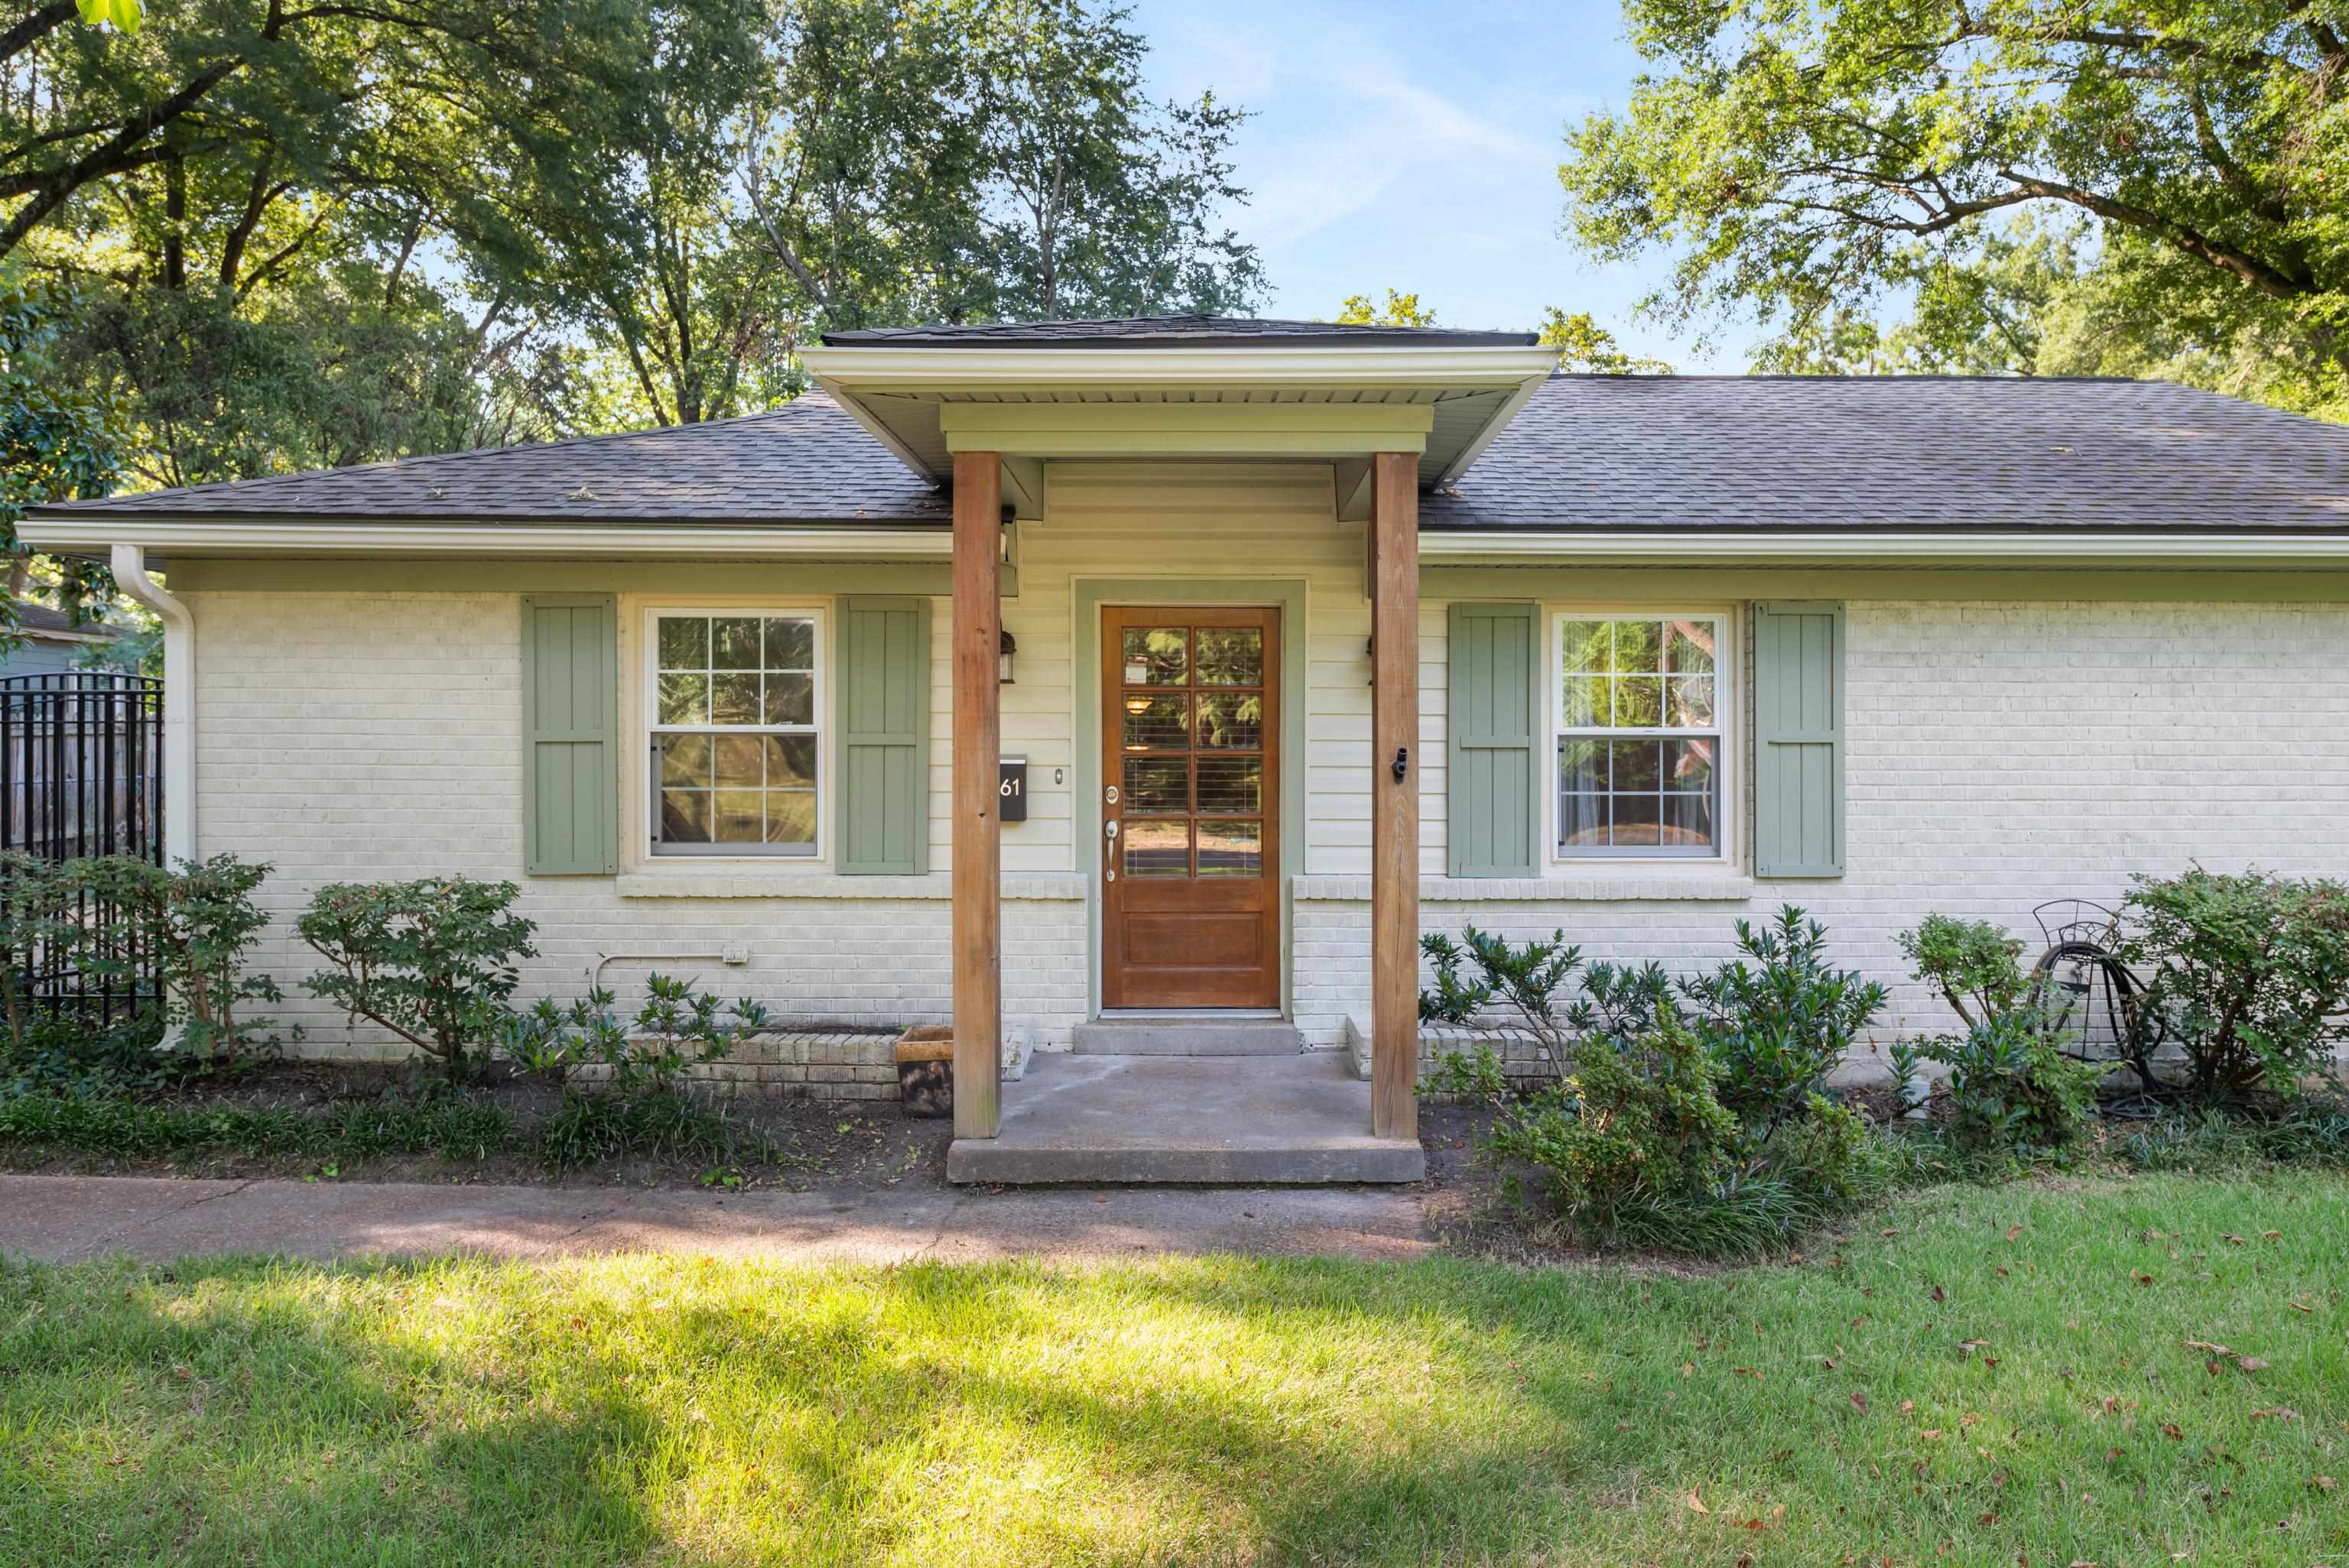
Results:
x,y
308,234
2178,168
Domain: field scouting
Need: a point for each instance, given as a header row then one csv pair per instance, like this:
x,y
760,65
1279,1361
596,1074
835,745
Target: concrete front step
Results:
x,y
1187,1036
1299,1118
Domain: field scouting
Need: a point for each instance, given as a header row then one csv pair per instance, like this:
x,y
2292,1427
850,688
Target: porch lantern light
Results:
x,y
1006,646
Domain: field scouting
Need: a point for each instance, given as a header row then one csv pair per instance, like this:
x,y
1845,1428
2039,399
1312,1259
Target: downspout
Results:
x,y
179,700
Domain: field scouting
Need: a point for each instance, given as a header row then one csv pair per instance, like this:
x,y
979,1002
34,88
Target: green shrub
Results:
x,y
1619,1002
2248,973
37,917
1779,1026
676,1028
199,922
2011,1088
1631,1124
431,961
1528,979
69,1055
1831,1154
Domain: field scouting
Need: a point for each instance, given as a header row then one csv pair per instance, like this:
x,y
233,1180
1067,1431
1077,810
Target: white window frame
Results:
x,y
647,727
1728,810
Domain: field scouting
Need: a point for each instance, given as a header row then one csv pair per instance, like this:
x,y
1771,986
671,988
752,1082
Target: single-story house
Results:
x,y
50,643
1084,682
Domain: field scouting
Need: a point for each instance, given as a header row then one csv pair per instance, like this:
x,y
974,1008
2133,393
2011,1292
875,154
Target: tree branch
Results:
x,y
30,30
2250,269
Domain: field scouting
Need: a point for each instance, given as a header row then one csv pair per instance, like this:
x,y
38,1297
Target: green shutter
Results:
x,y
884,737
1493,768
1798,741
571,755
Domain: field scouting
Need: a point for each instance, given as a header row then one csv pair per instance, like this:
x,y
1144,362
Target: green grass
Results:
x,y
1940,1394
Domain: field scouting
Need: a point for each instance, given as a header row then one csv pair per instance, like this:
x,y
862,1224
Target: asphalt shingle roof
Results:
x,y
1165,332
1585,452
807,461
1895,452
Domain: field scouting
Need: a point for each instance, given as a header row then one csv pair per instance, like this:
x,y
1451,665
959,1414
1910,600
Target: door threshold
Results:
x,y
1205,1015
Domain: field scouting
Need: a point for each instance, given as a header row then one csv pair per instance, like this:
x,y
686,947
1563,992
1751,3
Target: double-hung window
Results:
x,y
1638,727
734,702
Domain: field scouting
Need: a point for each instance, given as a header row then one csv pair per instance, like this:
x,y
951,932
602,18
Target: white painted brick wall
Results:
x,y
2000,756
345,736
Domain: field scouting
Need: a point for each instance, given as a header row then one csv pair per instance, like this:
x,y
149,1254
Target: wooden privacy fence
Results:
x,y
81,773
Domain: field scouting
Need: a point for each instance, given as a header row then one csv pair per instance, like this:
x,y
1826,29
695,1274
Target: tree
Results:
x,y
59,441
991,159
1809,159
1585,346
1400,310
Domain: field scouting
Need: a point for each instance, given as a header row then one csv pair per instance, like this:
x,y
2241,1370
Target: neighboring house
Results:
x,y
53,644
1324,636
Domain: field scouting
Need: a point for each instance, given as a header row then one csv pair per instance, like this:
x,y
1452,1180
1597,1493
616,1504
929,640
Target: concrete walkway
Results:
x,y
68,1218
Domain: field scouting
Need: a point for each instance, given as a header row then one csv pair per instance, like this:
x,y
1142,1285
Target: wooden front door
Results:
x,y
1190,813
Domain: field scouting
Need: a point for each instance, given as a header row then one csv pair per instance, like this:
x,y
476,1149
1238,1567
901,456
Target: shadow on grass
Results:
x,y
273,1414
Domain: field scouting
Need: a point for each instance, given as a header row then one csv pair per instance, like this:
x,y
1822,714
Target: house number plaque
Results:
x,y
1011,785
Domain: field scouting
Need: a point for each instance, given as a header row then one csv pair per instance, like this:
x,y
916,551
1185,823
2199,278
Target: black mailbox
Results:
x,y
1011,787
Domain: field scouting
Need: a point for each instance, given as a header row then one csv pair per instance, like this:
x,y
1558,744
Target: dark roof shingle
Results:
x,y
1585,452
807,461
1165,332
1897,452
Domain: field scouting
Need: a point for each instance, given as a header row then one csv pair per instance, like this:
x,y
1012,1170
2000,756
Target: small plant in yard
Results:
x,y
1782,1023
677,1028
37,917
2248,972
1619,1002
200,921
2011,1088
431,961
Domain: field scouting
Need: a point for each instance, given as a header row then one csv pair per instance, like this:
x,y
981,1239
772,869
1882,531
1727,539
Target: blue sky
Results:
x,y
1416,145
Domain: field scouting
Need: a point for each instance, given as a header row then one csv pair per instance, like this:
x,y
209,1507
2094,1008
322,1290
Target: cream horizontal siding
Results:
x,y
1249,522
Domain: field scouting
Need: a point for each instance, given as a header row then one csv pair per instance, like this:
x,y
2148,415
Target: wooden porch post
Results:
x,y
1394,802
978,845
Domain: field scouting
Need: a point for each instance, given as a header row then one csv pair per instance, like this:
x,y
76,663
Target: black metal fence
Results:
x,y
81,773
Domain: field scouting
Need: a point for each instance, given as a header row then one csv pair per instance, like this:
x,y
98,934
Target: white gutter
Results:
x,y
179,700
1659,545
249,535
864,368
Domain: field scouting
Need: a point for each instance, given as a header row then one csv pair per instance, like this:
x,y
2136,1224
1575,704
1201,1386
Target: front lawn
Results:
x,y
2027,1375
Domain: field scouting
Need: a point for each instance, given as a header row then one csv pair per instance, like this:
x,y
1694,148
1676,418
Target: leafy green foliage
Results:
x,y
1399,310
1804,162
1782,1023
1586,347
85,1058
677,1028
2248,972
1527,978
432,961
199,922
37,916
59,441
2011,1088
660,1124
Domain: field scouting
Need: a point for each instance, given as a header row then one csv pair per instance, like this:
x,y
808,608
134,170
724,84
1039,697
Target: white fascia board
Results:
x,y
1493,427
1513,545
255,536
843,371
